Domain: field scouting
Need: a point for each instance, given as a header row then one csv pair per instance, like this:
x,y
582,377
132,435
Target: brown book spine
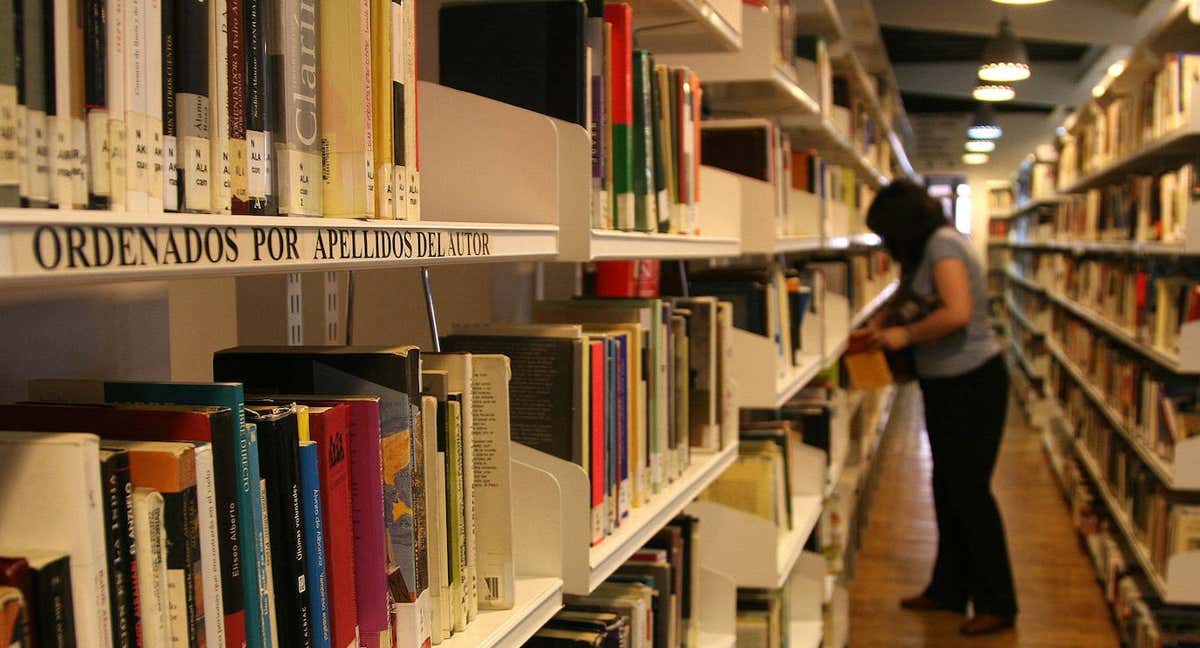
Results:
x,y
237,105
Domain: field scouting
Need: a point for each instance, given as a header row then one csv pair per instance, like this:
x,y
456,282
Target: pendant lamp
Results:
x,y
1004,57
984,124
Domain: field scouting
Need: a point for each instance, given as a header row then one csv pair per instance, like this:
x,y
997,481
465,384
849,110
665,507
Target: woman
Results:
x,y
964,385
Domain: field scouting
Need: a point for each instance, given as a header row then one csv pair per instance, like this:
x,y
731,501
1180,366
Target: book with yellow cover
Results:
x,y
866,367
346,118
381,107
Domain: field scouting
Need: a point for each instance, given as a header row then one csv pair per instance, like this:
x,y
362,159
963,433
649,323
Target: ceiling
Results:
x,y
934,47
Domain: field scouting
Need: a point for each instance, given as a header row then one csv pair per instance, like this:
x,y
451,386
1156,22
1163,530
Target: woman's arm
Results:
x,y
954,288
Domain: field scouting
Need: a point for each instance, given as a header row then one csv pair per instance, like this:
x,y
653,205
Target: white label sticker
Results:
x,y
195,161
257,179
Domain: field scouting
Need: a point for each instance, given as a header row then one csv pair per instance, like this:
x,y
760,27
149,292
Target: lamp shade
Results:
x,y
1004,57
993,92
984,125
980,146
975,159
1020,2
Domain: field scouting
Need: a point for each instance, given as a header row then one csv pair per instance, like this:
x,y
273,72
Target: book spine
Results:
x,y
456,516
348,171
151,547
160,75
401,492
279,463
56,40
292,52
492,482
621,394
597,119
435,500
137,157
95,37
271,625
333,444
33,64
77,135
314,545
218,71
658,134
469,511
596,472
255,581
235,63
645,218
370,534
183,558
227,476
54,621
412,115
10,168
114,87
114,479
397,118
192,105
260,150
693,168
210,552
386,199
420,494
621,54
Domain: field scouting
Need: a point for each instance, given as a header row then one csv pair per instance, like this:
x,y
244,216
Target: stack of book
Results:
x,y
582,67
651,601
228,107
625,388
1142,208
347,509
763,617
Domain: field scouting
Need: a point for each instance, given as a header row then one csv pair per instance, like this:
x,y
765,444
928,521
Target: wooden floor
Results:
x,y
1059,600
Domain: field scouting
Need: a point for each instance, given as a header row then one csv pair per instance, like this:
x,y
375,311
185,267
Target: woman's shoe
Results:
x,y
924,603
984,623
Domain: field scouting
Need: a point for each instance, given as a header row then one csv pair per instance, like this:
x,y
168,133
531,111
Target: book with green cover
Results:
x,y
645,211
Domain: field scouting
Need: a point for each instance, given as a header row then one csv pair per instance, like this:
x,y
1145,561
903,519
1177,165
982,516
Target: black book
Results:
x,y
46,578
531,54
172,170
279,465
610,624
552,637
258,110
192,101
745,150
95,87
660,155
118,540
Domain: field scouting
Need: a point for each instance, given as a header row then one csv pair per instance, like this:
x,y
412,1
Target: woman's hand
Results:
x,y
893,338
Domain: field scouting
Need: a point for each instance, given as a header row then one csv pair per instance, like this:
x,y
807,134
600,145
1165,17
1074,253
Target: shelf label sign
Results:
x,y
57,248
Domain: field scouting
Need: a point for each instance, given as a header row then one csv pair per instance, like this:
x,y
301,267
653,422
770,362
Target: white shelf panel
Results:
x,y
798,244
1152,156
800,376
1131,248
715,640
645,521
805,634
666,26
615,244
1028,206
844,242
36,245
874,304
537,600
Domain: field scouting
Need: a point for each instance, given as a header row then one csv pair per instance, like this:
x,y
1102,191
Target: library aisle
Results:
x,y
1060,605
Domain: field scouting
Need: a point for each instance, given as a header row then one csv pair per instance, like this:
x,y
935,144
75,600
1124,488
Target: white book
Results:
x,y
413,209
435,515
210,552
61,136
150,549
218,79
137,143
492,482
160,160
269,592
399,168
52,499
114,79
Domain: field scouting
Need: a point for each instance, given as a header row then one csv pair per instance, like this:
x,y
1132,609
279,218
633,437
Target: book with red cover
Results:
x,y
596,367
162,423
15,572
620,17
638,278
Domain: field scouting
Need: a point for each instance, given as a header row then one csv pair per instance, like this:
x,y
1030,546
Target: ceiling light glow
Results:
x,y
984,125
1004,57
975,159
1020,2
980,146
1117,68
993,92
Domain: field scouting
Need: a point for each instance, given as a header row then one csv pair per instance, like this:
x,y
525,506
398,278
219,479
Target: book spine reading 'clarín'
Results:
x,y
292,49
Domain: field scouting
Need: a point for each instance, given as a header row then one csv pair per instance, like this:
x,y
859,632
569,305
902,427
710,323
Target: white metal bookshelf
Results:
x,y
687,25
537,600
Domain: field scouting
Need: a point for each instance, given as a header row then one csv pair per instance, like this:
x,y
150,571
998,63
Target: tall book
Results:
x,y
210,543
620,16
62,473
150,544
398,118
95,60
44,580
162,178
203,426
235,64
170,469
412,149
114,479
435,511
137,156
193,104
492,481
314,545
36,71
218,84
114,88
294,80
235,446
645,196
10,137
660,146
598,118
387,200
69,137
261,163
346,125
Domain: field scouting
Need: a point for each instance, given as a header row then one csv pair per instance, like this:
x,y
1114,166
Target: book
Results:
x,y
114,88
150,542
551,637
435,511
492,481
293,51
192,105
278,457
261,162
597,118
62,473
69,130
610,624
620,17
866,367
235,64
314,545
94,149
218,84
645,191
398,117
43,578
347,128
114,479
16,601
412,155
164,172
456,495
10,104
210,546
170,469
36,72
197,424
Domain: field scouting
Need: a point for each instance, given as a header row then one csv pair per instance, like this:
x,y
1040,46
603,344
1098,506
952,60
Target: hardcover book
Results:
x,y
346,124
314,545
387,200
10,139
114,479
492,481
218,85
620,17
399,117
94,58
193,104
44,580
210,547
150,543
261,163
235,64
36,72
294,81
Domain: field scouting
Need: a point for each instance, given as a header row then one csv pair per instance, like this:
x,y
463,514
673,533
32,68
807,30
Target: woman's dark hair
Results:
x,y
904,215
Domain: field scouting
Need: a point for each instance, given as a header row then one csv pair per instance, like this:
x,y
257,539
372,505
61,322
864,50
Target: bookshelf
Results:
x,y
688,25
805,219
818,131
537,600
718,609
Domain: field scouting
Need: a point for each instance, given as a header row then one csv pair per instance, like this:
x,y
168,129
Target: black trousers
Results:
x,y
964,417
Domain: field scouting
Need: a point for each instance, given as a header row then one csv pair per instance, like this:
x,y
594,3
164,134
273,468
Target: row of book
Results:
x,y
651,601
348,514
643,117
763,617
1000,200
1036,179
624,388
1159,106
1151,299
1142,208
1163,526
227,106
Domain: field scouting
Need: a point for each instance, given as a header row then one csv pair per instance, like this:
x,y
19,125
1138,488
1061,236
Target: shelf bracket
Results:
x,y
349,308
429,310
683,279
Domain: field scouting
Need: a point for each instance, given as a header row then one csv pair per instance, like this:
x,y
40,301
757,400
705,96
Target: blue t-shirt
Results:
x,y
968,347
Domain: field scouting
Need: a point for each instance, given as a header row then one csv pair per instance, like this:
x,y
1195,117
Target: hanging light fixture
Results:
x,y
1020,2
980,146
975,159
984,125
993,92
1004,57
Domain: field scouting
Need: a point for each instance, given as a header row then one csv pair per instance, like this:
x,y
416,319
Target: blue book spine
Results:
x,y
314,544
623,423
610,428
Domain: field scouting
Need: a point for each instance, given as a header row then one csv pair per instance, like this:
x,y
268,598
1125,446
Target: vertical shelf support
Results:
x,y
429,310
